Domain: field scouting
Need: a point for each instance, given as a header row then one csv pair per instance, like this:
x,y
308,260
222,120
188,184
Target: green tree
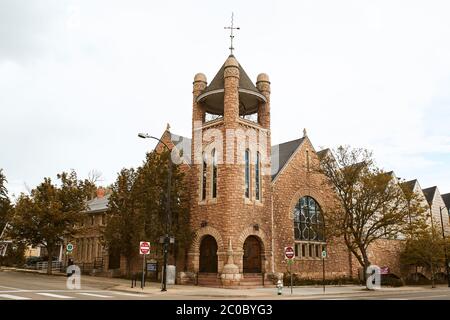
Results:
x,y
50,213
370,205
426,248
122,232
138,208
5,204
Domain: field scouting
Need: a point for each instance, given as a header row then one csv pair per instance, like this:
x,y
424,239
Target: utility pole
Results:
x,y
447,267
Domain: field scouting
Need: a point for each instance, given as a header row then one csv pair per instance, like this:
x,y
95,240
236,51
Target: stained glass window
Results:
x,y
308,220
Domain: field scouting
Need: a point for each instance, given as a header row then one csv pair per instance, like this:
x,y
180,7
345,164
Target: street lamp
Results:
x,y
447,267
169,184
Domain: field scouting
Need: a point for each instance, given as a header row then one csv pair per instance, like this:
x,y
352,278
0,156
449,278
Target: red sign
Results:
x,y
384,270
144,247
289,253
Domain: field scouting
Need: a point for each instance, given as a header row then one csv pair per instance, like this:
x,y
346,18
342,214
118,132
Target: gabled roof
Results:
x,y
281,153
429,194
446,198
322,153
410,184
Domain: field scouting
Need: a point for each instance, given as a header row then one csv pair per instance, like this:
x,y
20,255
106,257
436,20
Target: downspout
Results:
x,y
271,227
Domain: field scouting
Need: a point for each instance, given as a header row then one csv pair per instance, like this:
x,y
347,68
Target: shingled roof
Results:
x,y
446,198
281,153
429,194
410,184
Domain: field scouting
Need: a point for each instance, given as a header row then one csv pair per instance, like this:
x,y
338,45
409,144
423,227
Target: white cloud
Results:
x,y
79,79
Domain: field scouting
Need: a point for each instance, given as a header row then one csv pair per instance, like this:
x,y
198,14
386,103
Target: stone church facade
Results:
x,y
250,199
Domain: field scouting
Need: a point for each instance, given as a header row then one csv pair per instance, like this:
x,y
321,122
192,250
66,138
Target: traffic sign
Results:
x,y
69,247
289,253
144,247
324,254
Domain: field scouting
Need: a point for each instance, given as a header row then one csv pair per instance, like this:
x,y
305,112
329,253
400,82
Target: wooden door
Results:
x,y
208,255
252,255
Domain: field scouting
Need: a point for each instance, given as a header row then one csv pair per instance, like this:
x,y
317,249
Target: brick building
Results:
x,y
250,199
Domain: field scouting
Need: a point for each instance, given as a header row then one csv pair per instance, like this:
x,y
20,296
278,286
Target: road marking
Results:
x,y
16,289
93,295
129,294
10,296
54,295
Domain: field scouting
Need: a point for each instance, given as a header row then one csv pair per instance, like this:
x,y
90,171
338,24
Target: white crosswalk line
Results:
x,y
13,297
129,294
93,295
52,295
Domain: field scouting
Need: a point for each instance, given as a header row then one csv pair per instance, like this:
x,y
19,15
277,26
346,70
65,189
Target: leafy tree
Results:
x,y
425,249
122,230
5,204
371,204
49,213
138,207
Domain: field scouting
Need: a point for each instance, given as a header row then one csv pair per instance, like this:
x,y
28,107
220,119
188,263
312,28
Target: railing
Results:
x,y
56,265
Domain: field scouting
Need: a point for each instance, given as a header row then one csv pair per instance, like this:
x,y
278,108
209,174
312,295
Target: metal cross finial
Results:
x,y
231,33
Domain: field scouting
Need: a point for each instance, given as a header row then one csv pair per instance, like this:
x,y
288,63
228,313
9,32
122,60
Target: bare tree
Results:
x,y
371,206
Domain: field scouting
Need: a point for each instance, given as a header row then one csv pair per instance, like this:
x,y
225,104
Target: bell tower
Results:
x,y
230,177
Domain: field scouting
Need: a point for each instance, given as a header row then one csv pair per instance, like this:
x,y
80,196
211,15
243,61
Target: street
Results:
x,y
32,286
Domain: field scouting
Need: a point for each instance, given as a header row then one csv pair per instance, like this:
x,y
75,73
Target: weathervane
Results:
x,y
231,33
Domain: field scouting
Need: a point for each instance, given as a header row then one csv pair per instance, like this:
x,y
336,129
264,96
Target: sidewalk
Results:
x,y
189,292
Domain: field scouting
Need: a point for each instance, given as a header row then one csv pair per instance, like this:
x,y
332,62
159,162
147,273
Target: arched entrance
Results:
x,y
252,255
208,255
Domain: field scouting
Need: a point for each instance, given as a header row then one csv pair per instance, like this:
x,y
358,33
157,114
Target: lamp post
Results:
x,y
169,184
447,267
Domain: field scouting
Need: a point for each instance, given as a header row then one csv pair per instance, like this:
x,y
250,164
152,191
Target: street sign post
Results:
x,y
144,249
289,254
324,255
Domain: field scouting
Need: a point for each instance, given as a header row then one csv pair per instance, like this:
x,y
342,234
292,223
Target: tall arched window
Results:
x,y
204,168
214,173
308,220
308,228
257,177
247,173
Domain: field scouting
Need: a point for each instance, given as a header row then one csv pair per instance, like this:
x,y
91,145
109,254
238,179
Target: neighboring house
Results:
x,y
437,209
89,252
446,198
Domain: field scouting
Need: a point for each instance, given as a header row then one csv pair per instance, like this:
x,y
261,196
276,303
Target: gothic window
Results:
x,y
308,220
257,177
204,167
247,173
214,173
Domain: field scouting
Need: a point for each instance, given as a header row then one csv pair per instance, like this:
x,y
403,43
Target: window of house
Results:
x,y
247,173
214,173
257,177
204,168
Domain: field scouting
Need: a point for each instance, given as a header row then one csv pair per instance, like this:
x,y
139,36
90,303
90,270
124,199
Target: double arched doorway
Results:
x,y
208,255
252,262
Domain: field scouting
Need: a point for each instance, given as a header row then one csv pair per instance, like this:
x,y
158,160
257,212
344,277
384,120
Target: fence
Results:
x,y
56,266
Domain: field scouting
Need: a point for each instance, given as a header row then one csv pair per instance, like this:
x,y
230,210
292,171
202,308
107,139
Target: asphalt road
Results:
x,y
32,286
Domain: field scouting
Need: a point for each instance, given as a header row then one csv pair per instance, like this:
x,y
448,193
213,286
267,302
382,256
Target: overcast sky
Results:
x,y
80,79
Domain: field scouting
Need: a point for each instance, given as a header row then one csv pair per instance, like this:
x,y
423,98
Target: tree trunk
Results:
x,y
50,259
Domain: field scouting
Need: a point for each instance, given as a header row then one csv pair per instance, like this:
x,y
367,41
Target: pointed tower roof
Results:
x,y
249,95
429,194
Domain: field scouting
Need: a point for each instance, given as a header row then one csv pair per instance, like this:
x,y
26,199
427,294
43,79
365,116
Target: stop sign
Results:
x,y
144,247
289,253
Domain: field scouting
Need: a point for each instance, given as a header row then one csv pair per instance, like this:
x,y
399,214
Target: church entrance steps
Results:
x,y
209,280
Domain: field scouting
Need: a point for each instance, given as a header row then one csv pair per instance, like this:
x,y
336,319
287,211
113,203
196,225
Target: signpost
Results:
x,y
144,249
324,255
289,254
